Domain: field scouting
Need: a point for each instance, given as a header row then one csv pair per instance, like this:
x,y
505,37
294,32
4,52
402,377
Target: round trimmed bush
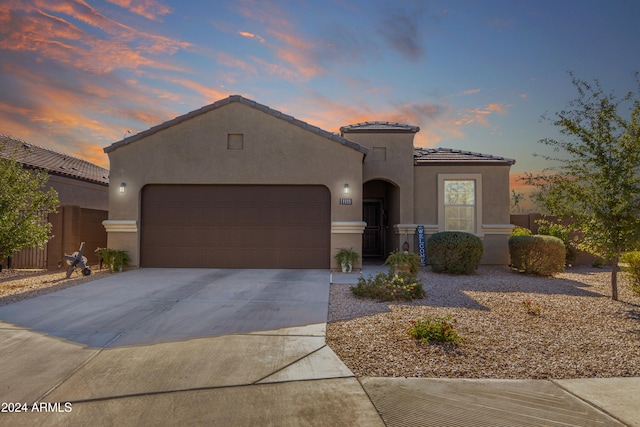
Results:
x,y
454,252
537,254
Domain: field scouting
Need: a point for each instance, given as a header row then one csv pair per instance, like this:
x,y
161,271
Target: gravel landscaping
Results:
x,y
580,332
16,285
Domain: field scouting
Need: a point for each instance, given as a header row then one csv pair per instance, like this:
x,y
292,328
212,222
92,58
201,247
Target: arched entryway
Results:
x,y
380,210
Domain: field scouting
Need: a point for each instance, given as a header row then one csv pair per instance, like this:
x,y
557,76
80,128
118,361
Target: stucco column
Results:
x,y
347,234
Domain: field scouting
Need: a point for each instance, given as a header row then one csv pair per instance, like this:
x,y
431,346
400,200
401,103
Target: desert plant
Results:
x,y
114,259
631,268
541,255
520,231
454,252
389,287
531,308
550,229
346,259
439,329
399,261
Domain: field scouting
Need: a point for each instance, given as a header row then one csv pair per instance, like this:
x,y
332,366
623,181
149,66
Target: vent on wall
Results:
x,y
379,154
235,141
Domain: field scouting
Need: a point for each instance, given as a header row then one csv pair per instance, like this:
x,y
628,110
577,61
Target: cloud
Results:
x,y
251,36
468,92
480,115
436,122
150,9
237,64
403,31
75,80
207,93
287,44
47,30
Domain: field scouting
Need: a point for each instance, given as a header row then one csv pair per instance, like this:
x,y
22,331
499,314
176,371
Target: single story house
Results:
x,y
83,192
237,184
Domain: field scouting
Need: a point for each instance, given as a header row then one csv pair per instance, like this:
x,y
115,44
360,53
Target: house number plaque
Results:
x,y
346,201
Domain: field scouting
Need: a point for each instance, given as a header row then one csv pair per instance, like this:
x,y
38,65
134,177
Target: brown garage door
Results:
x,y
235,226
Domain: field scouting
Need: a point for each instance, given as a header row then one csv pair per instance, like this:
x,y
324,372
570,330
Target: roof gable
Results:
x,y
448,156
245,101
379,127
54,162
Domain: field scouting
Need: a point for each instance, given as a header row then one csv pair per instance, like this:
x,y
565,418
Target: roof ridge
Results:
x,y
371,127
241,99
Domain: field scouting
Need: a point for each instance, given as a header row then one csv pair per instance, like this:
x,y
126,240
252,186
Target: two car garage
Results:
x,y
235,226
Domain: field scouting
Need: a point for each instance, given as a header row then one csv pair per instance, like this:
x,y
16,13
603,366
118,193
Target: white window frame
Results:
x,y
477,177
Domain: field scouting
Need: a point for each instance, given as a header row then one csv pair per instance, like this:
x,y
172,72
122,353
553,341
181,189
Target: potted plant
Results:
x,y
399,261
114,259
346,258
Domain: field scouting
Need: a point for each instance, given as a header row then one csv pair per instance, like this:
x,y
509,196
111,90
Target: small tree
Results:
x,y
597,183
23,207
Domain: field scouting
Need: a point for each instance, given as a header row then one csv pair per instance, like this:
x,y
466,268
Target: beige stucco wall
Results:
x,y
80,193
397,166
495,227
196,151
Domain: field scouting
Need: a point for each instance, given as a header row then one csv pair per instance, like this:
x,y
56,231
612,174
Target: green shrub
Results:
x,y
389,287
439,329
454,252
520,231
541,255
555,230
399,261
114,259
632,270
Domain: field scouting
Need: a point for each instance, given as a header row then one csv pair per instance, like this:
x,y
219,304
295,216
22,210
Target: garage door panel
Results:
x,y
235,226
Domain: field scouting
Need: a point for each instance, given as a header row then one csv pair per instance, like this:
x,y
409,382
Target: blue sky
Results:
x,y
474,75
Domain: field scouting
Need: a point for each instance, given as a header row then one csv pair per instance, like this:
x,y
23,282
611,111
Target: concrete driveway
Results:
x,y
154,305
176,347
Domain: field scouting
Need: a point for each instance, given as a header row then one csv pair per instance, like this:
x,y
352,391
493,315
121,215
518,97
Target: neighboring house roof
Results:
x,y
379,127
54,162
245,101
448,156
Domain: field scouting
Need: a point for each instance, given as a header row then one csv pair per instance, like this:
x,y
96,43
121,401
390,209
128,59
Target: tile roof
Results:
x,y
54,162
431,156
379,127
245,101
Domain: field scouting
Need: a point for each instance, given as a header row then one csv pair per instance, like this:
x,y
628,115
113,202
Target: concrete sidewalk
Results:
x,y
280,376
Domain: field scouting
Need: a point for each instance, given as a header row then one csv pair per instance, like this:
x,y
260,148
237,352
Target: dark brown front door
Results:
x,y
372,240
235,226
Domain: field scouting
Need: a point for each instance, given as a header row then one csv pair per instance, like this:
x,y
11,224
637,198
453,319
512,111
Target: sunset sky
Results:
x,y
474,75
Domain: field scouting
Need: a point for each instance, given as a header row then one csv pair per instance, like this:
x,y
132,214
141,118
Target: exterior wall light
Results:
x,y
122,187
346,189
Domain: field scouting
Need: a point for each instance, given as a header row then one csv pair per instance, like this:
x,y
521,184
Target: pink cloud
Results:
x,y
251,36
150,9
47,30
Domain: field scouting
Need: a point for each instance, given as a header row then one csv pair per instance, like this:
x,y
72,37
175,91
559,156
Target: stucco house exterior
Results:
x,y
237,184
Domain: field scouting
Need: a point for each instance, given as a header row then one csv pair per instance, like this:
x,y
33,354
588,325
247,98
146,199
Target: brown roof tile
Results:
x,y
431,156
379,127
54,162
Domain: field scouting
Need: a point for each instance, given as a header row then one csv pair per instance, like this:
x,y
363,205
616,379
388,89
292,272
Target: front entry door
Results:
x,y
372,240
